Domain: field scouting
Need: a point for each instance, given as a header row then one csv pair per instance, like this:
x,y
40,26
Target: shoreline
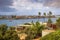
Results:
x,y
24,17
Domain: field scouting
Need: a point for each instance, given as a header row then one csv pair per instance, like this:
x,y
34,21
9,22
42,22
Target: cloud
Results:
x,y
7,9
6,2
35,4
5,6
51,3
26,5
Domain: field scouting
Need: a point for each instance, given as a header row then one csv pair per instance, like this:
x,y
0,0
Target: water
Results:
x,y
22,21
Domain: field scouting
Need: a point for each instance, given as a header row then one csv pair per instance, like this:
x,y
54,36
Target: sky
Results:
x,y
29,7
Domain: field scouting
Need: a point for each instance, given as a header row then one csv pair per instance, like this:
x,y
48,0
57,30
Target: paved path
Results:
x,y
45,32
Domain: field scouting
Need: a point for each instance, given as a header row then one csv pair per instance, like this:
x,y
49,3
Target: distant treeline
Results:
x,y
25,17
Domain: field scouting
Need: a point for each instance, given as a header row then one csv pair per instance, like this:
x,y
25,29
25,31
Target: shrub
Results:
x,y
7,34
52,36
58,23
49,20
34,31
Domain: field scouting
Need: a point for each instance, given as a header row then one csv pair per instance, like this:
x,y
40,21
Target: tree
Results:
x,y
34,31
49,22
49,19
50,14
58,23
14,16
6,34
44,16
39,13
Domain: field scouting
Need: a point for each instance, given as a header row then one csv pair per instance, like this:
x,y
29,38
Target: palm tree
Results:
x,y
44,16
34,31
39,13
49,22
37,27
50,14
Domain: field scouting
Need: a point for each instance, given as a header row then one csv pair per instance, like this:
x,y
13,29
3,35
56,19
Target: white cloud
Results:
x,y
52,3
27,5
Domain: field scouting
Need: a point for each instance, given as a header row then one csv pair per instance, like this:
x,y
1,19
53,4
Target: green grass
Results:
x,y
52,36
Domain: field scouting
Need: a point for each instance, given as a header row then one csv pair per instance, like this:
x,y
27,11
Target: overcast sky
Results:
x,y
29,7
